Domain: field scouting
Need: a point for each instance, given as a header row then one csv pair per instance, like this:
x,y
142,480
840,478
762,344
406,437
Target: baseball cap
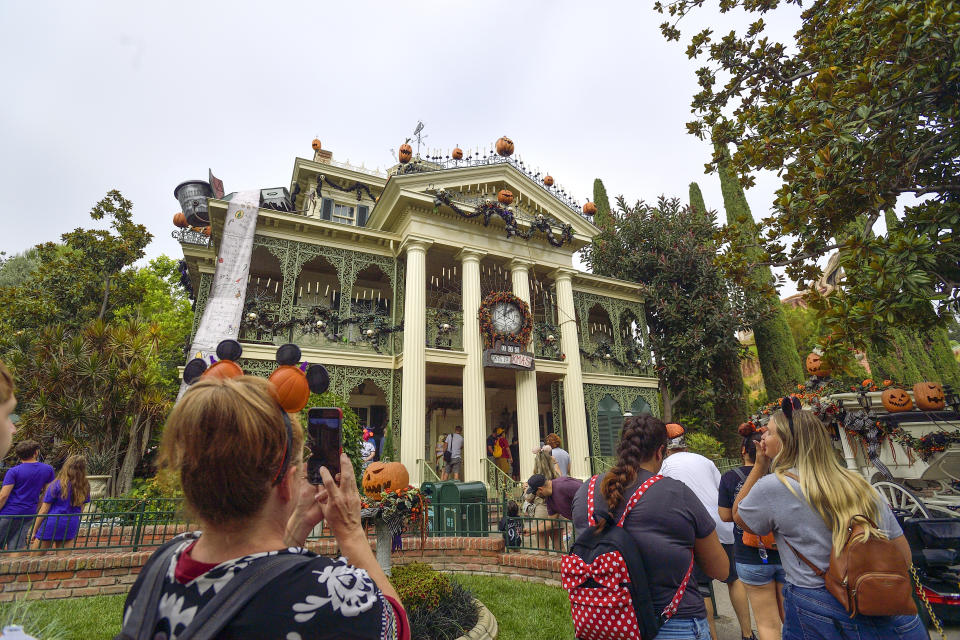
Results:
x,y
535,482
675,437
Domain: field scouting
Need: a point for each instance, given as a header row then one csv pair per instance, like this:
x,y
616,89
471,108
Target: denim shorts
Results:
x,y
758,575
811,614
684,629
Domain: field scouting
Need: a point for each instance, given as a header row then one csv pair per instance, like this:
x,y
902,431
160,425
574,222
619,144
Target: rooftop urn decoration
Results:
x,y
504,147
548,180
193,195
405,154
589,209
180,220
505,197
457,153
315,145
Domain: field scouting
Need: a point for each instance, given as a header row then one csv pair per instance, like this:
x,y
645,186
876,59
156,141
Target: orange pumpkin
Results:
x,y
817,366
457,154
316,144
223,369
505,196
929,396
548,180
505,146
895,400
384,477
406,152
293,392
206,231
590,209
180,220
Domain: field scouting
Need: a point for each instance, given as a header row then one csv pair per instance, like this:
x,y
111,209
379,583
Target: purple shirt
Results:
x,y
561,500
28,480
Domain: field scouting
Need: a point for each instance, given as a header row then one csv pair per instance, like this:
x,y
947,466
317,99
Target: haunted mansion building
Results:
x,y
441,293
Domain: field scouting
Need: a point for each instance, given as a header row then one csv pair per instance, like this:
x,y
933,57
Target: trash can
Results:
x,y
463,508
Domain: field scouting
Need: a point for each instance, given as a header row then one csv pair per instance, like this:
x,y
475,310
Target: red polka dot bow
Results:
x,y
607,569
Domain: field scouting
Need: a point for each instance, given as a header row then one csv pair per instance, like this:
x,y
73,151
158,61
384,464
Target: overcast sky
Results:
x,y
121,95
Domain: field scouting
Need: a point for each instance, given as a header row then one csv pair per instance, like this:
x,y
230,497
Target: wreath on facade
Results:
x,y
490,335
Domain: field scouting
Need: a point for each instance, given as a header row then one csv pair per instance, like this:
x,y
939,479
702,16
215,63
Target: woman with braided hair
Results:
x,y
668,524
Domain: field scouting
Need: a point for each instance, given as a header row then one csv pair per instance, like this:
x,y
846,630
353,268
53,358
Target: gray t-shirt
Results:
x,y
665,524
770,506
563,460
455,445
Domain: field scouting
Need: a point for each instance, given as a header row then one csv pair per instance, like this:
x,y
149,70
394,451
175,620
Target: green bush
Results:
x,y
704,445
420,586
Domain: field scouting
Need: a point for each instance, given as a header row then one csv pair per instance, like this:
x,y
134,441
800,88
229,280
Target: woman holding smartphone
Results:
x,y
240,462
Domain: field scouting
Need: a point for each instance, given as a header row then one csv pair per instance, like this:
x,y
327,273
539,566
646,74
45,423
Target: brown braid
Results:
x,y
641,438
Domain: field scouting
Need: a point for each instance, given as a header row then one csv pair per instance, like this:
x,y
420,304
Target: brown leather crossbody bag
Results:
x,y
869,577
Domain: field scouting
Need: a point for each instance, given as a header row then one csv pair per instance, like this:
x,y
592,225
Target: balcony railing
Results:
x,y
444,329
189,236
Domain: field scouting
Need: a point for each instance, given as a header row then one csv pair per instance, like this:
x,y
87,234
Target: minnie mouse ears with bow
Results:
x,y
293,381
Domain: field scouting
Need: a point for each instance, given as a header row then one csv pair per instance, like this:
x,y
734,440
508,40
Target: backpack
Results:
x,y
497,449
752,539
606,578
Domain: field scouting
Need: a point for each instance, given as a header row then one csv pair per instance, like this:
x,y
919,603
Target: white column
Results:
x,y
414,389
527,414
474,392
574,406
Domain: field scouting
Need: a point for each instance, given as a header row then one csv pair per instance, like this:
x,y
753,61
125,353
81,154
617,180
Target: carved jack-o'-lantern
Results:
x,y
590,209
505,146
548,180
817,366
895,400
406,152
505,196
316,144
457,154
928,396
383,477
180,220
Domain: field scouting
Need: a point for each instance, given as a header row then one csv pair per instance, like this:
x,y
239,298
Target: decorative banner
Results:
x,y
216,184
221,316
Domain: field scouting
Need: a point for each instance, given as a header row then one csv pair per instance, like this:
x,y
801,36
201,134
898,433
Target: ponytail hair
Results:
x,y
640,439
751,436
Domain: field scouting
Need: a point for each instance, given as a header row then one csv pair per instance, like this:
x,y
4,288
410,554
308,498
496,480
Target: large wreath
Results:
x,y
490,335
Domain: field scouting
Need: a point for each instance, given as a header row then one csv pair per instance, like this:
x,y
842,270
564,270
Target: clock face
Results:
x,y
506,318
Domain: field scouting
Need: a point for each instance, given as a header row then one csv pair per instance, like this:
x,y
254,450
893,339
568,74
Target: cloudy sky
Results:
x,y
122,95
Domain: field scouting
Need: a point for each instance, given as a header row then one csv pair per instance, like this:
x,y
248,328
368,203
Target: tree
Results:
x,y
859,110
16,269
603,217
96,390
777,352
691,312
730,407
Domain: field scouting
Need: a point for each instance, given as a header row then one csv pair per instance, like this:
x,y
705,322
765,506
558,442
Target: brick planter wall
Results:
x,y
88,574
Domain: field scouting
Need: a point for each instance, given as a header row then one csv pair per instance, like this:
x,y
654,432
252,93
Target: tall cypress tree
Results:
x,y
779,364
603,217
730,407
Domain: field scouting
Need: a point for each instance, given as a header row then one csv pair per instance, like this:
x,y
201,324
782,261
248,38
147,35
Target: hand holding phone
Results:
x,y
325,441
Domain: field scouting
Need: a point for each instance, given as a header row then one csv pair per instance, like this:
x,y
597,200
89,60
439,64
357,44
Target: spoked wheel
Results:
x,y
905,503
938,511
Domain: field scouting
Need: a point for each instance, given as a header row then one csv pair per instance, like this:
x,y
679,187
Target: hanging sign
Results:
x,y
508,355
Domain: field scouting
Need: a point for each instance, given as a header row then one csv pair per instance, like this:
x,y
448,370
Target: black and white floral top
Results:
x,y
320,599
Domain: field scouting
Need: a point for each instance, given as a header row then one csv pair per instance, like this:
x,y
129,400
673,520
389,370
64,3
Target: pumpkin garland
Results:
x,y
488,209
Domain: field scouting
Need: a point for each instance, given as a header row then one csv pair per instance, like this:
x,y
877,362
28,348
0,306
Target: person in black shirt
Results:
x,y
758,569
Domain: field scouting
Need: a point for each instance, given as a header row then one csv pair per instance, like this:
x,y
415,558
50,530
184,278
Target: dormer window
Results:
x,y
344,213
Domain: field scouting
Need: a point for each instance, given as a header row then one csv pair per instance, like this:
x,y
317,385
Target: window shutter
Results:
x,y
326,210
362,212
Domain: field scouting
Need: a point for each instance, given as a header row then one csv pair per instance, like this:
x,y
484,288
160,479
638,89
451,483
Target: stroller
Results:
x,y
935,546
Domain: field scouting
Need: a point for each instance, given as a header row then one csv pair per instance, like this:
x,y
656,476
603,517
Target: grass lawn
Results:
x,y
524,611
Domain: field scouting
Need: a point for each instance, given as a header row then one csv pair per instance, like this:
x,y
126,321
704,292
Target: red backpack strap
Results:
x,y
674,603
635,498
591,521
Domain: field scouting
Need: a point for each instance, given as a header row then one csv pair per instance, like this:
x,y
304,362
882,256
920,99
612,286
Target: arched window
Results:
x,y
609,424
640,407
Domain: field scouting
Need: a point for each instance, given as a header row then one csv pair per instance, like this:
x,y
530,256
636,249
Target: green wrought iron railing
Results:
x,y
726,464
427,472
499,482
599,464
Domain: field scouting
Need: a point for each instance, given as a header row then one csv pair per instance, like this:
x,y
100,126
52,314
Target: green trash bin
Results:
x,y
463,509
436,513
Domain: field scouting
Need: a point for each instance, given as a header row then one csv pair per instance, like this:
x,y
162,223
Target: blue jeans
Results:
x,y
685,629
813,614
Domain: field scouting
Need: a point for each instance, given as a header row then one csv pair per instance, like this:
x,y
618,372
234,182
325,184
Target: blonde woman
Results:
x,y
59,518
545,465
807,501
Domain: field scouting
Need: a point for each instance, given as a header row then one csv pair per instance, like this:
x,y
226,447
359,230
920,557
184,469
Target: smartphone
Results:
x,y
325,441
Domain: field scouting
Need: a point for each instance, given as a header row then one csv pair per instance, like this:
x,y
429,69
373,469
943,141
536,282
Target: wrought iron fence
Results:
x,y
189,236
600,464
499,482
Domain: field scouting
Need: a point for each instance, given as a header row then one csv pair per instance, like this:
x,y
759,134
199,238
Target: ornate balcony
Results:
x,y
444,329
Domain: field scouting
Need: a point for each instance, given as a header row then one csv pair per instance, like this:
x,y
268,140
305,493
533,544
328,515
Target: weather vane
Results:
x,y
416,134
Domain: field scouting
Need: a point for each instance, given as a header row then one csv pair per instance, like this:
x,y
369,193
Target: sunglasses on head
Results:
x,y
789,404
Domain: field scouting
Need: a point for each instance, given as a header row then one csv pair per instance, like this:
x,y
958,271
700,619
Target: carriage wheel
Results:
x,y
937,511
904,502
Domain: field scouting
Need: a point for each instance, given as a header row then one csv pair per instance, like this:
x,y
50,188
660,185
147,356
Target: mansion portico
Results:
x,y
381,277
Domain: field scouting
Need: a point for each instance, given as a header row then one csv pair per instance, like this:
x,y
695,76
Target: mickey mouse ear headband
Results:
x,y
293,381
789,404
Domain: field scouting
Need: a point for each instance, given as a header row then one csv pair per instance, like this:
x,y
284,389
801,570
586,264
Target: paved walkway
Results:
x,y
728,629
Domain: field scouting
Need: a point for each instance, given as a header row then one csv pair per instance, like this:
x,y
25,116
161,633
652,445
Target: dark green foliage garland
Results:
x,y
545,329
359,187
488,209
